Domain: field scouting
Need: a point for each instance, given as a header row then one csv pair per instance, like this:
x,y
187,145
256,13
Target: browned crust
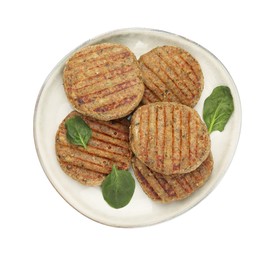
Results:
x,y
168,188
103,81
171,74
169,138
108,145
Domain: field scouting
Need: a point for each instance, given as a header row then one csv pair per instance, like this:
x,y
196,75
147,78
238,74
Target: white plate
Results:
x,y
52,106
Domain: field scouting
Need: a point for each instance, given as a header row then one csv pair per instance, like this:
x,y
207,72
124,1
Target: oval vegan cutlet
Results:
x,y
167,188
103,81
171,74
108,145
169,138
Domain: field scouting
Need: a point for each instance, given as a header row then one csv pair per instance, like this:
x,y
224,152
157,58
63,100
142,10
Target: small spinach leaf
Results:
x,y
78,132
218,108
118,188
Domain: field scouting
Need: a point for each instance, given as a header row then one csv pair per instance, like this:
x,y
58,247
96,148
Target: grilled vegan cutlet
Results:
x,y
171,74
103,81
108,145
167,188
169,138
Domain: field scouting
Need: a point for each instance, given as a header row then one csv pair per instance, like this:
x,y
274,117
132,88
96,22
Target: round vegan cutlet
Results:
x,y
171,74
108,145
103,81
169,137
167,188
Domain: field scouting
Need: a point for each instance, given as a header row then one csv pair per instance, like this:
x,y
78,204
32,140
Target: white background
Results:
x,y
236,221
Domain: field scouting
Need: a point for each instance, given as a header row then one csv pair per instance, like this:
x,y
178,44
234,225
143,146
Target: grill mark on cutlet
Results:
x,y
156,87
109,151
194,63
193,139
140,131
167,188
84,176
205,166
189,137
91,149
159,138
119,163
179,57
169,73
181,72
171,70
199,176
186,96
164,138
71,152
110,143
115,105
145,185
171,57
142,145
174,88
185,184
158,76
107,91
176,119
168,140
147,113
150,96
196,140
151,90
156,136
149,82
88,98
80,167
90,50
184,139
123,136
181,138
105,134
102,77
100,84
152,134
100,62
84,164
173,148
115,125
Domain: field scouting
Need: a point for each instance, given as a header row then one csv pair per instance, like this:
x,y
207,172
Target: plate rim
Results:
x,y
114,33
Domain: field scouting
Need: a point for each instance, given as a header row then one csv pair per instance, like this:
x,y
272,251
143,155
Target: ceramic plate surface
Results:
x,y
52,106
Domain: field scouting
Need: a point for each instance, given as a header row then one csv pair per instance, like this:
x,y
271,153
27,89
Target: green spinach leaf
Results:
x,y
218,108
78,132
118,188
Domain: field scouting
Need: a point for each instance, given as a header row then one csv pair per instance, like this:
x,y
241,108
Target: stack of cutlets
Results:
x,y
172,150
170,142
104,84
166,141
